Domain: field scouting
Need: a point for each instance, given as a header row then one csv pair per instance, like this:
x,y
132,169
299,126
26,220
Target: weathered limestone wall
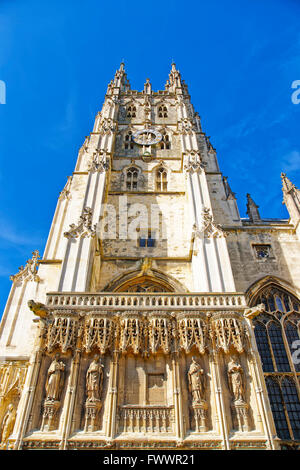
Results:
x,y
282,263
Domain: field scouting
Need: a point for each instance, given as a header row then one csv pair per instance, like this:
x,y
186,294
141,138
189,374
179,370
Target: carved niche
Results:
x,y
197,387
236,383
94,385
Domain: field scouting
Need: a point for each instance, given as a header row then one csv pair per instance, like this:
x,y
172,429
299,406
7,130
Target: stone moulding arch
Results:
x,y
123,281
266,281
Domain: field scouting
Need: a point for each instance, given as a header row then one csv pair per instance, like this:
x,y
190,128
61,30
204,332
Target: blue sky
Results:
x,y
238,57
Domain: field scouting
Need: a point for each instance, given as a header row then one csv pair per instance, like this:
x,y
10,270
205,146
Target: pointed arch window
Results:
x,y
128,141
131,111
162,111
132,179
161,179
165,143
276,331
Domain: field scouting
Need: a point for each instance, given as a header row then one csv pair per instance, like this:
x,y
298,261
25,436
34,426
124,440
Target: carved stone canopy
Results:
x,y
84,227
107,126
29,271
146,331
208,228
65,193
99,162
193,163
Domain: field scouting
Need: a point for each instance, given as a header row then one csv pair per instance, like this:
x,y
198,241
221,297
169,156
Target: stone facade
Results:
x,y
156,317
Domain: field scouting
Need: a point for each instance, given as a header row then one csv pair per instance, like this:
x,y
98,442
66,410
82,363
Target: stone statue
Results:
x,y
8,424
55,379
94,380
235,376
197,381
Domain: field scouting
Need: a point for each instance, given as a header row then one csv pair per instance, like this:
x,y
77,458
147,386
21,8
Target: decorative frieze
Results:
x,y
146,332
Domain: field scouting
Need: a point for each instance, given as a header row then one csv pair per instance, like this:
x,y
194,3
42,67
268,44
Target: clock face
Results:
x,y
147,137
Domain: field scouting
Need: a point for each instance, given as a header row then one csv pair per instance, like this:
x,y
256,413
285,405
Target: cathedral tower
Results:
x,y
157,317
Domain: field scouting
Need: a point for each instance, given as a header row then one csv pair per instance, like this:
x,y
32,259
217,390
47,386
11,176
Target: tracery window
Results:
x,y
145,285
262,251
128,141
161,179
131,111
132,179
277,333
162,111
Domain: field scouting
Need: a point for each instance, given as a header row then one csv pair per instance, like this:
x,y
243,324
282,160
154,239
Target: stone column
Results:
x,y
112,397
25,404
177,394
70,400
214,365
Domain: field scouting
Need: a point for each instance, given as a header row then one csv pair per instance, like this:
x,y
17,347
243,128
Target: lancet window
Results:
x,y
161,179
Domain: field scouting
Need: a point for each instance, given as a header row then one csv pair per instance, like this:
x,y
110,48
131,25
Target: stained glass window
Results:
x,y
292,336
276,331
292,404
281,359
278,409
263,347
